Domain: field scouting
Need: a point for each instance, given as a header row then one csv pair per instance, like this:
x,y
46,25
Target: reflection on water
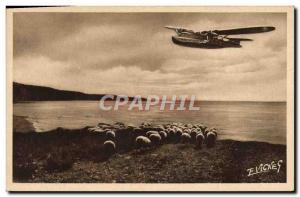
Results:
x,y
251,121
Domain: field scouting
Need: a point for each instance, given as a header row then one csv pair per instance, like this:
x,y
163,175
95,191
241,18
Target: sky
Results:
x,y
133,54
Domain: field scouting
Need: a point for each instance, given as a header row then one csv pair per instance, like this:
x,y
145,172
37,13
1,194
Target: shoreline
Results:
x,y
22,125
78,157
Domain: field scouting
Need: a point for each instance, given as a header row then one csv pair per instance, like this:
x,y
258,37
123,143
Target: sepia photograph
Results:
x,y
150,99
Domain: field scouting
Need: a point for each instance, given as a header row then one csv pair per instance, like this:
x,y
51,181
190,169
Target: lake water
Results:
x,y
245,121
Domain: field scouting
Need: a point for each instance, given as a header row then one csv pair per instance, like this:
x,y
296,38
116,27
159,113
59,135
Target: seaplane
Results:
x,y
214,39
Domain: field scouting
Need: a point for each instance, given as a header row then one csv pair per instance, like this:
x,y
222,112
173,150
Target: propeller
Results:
x,y
179,29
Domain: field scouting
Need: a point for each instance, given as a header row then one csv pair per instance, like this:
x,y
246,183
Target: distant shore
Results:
x,y
79,158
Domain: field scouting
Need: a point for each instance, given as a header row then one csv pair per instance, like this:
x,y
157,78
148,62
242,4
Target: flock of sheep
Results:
x,y
147,135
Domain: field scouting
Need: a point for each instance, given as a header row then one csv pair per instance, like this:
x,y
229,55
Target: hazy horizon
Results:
x,y
160,95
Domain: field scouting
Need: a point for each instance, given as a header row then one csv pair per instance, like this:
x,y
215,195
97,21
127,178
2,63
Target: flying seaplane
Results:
x,y
213,39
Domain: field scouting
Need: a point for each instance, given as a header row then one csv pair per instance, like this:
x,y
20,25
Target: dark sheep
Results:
x,y
110,135
193,135
211,139
199,140
171,134
178,134
163,135
214,130
109,147
155,139
137,132
203,128
205,131
185,138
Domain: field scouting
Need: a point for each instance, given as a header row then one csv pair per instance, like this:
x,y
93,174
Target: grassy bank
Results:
x,y
77,156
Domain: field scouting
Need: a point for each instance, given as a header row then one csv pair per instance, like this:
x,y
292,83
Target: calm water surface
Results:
x,y
246,121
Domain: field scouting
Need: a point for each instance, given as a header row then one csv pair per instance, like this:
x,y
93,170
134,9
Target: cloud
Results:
x,y
131,53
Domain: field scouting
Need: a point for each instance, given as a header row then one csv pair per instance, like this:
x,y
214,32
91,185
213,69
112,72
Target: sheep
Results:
x,y
214,130
137,132
167,126
178,129
205,131
130,126
160,127
91,129
98,130
146,124
171,134
199,130
142,142
110,135
187,131
119,124
178,134
103,124
106,126
167,131
163,135
175,124
151,132
193,135
199,125
199,140
155,139
211,139
185,138
203,128
109,147
189,125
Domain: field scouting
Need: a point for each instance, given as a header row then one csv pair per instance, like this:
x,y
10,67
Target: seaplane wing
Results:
x,y
247,30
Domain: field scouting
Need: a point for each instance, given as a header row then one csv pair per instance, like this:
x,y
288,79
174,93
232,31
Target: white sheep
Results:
x,y
175,124
190,126
151,132
109,147
155,139
98,130
142,142
131,126
199,140
91,129
146,124
187,130
167,126
185,138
